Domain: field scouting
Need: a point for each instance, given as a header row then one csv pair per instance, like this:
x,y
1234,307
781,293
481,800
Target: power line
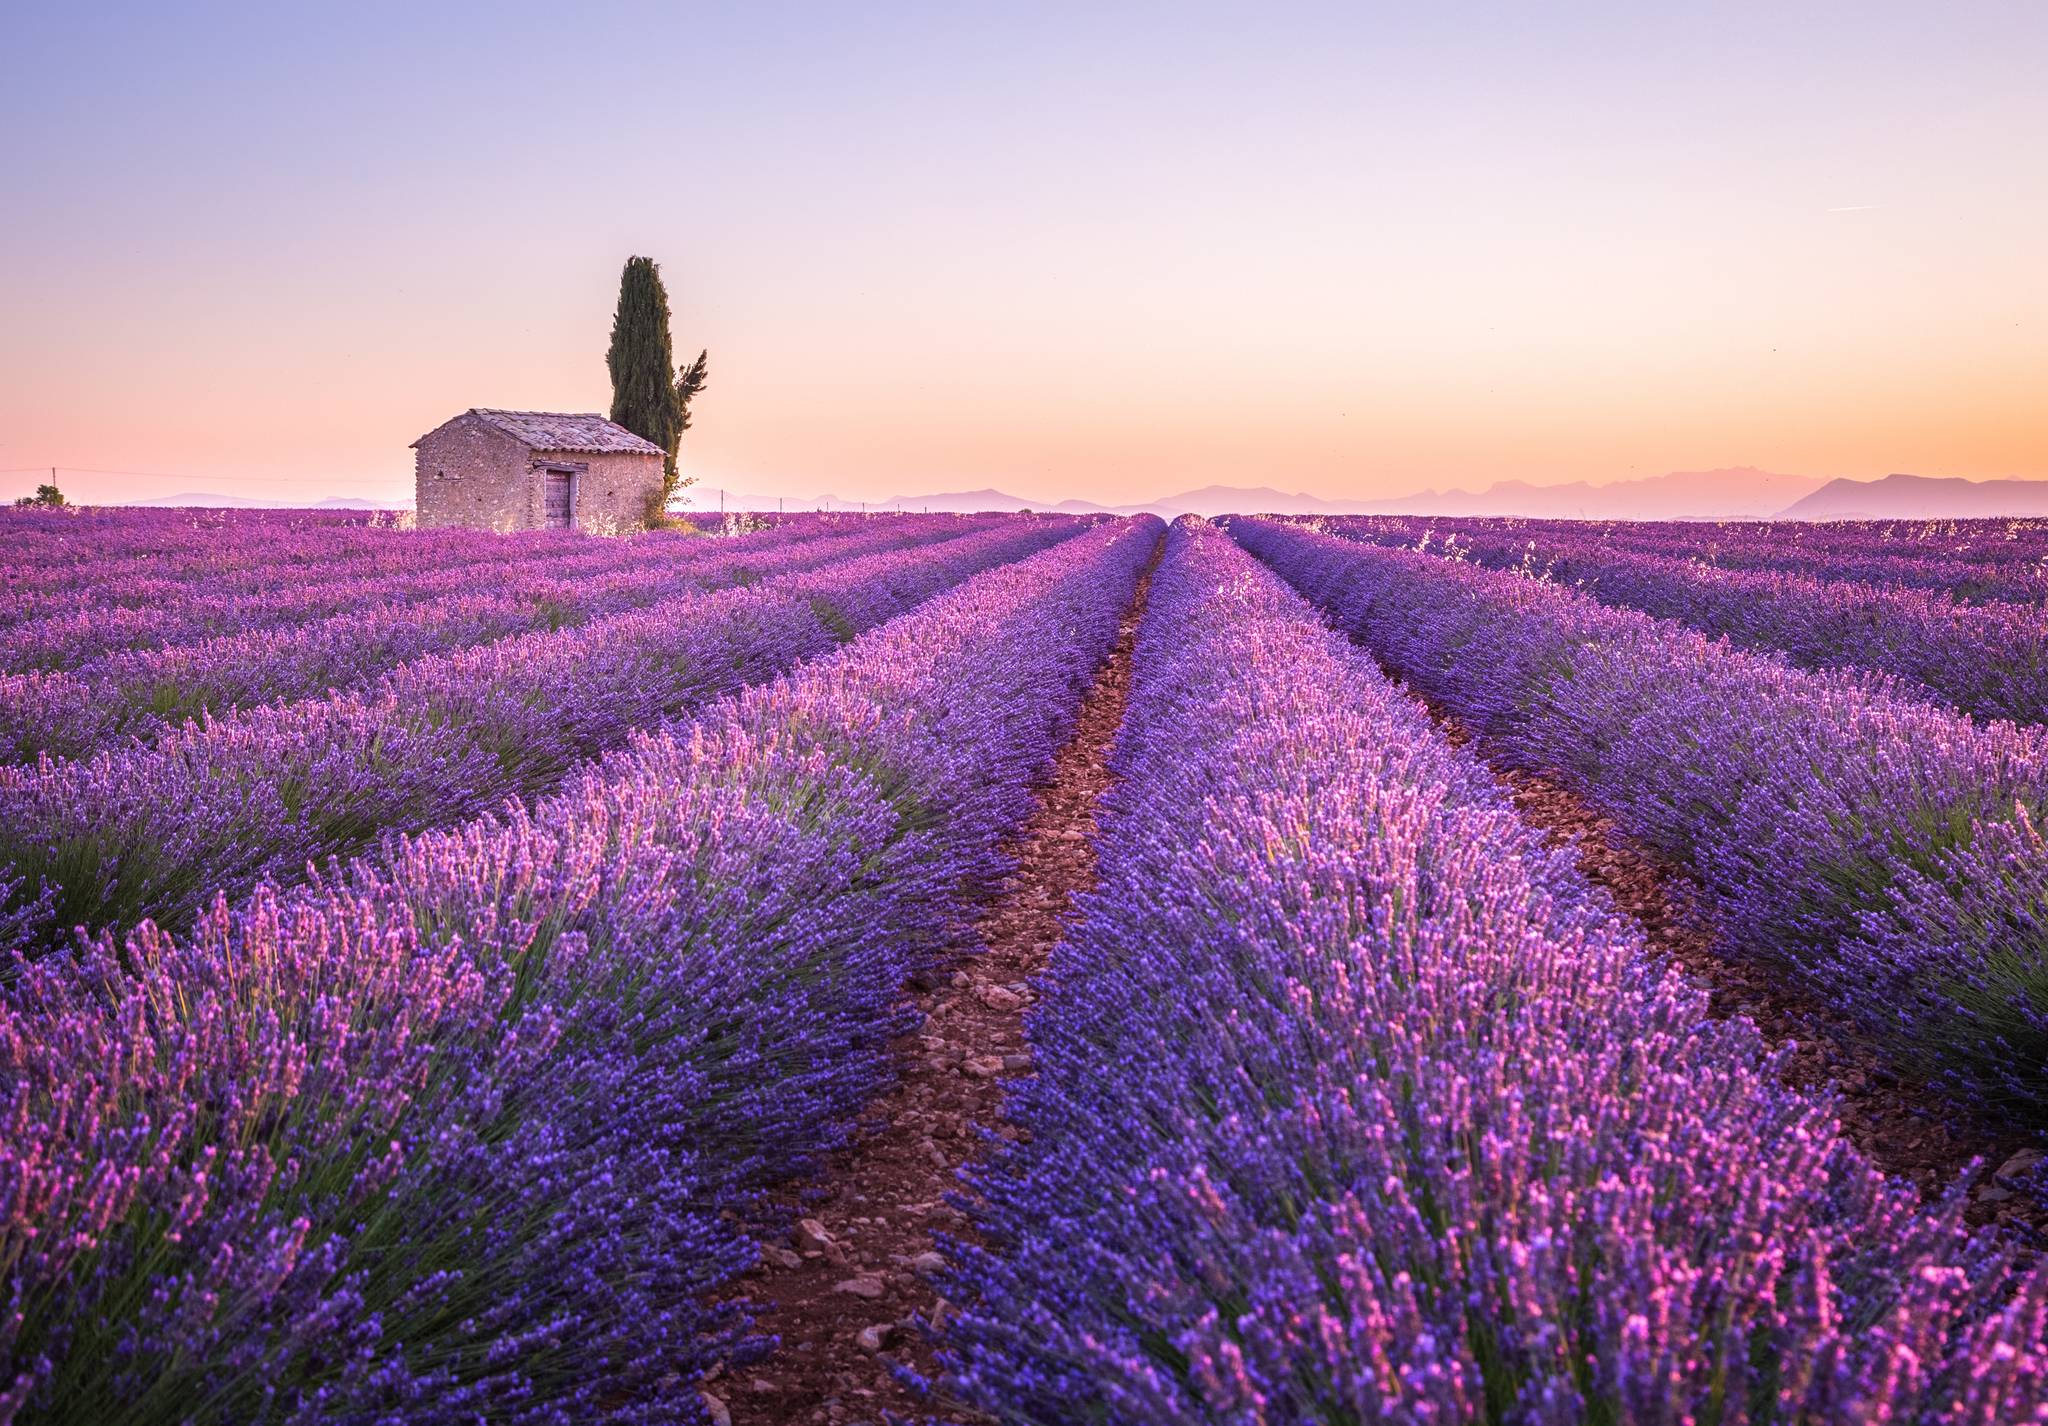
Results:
x,y
205,479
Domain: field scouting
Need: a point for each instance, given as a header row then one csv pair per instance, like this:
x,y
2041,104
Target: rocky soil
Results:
x,y
1903,1128
847,1293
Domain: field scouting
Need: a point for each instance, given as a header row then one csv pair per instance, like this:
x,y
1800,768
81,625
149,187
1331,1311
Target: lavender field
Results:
x,y
844,968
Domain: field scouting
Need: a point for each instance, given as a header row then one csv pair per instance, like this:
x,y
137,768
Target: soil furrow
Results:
x,y
843,1294
1903,1128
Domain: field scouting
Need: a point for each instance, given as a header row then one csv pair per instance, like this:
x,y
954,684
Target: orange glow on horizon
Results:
x,y
1108,259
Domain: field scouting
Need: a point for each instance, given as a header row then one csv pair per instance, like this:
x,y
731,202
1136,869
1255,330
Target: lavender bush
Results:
x,y
1354,1103
139,693
2004,560
1879,847
60,549
155,832
1989,660
186,563
476,1130
110,613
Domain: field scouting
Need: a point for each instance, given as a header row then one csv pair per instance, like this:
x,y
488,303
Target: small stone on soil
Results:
x,y
2020,1164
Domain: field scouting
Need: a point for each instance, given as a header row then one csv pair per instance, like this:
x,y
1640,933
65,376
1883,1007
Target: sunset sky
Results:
x,y
1103,250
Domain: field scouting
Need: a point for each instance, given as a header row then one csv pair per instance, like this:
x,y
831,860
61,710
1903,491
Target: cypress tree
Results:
x,y
642,363
689,382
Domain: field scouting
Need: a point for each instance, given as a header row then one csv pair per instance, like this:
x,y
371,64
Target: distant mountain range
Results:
x,y
1734,493
1920,497
1731,493
1723,493
207,499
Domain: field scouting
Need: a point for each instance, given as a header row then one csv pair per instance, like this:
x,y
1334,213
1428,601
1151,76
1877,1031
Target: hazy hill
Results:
x,y
1920,497
1240,499
206,499
1734,492
1209,500
706,498
209,500
963,502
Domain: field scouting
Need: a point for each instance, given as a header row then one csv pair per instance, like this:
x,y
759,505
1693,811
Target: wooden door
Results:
x,y
555,509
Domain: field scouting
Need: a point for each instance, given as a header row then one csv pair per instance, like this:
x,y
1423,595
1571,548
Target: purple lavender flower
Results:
x,y
1867,843
478,1127
224,806
1353,1102
1988,659
90,700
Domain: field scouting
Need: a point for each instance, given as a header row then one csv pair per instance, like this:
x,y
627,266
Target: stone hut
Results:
x,y
535,470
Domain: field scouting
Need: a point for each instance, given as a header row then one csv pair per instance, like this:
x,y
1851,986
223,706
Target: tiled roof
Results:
x,y
565,431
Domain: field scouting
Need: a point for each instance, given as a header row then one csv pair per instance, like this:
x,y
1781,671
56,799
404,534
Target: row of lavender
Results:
x,y
135,558
1989,660
156,831
406,571
142,692
1994,559
42,542
1992,541
1883,849
48,633
477,1129
1355,1103
1969,560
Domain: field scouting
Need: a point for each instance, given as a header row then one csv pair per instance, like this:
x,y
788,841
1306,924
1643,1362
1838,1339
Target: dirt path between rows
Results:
x,y
1903,1128
844,1292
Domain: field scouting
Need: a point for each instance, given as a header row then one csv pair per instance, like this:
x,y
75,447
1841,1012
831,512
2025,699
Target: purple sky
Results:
x,y
1098,251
